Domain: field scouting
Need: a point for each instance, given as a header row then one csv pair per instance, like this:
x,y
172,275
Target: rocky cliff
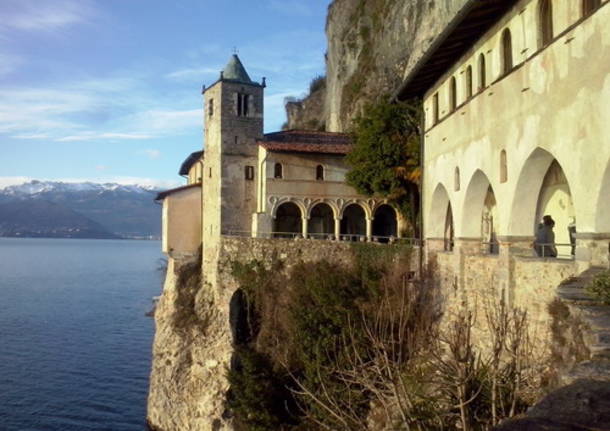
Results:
x,y
372,46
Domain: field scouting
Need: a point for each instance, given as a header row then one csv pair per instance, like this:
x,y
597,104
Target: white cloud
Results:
x,y
168,121
93,136
37,15
193,73
31,136
13,181
151,153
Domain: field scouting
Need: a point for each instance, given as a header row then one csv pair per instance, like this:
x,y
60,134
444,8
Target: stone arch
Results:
x,y
435,224
524,207
385,223
602,216
321,220
555,199
479,204
368,209
353,221
449,233
288,219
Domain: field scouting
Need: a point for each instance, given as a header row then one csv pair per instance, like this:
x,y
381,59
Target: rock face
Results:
x,y
583,405
190,352
308,113
372,45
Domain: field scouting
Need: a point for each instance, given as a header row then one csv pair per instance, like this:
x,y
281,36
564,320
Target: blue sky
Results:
x,y
109,90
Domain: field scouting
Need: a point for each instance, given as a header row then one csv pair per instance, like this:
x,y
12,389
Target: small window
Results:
x,y
545,22
453,94
278,171
209,172
482,72
469,82
320,173
435,109
243,102
503,167
589,6
211,107
507,52
456,179
249,173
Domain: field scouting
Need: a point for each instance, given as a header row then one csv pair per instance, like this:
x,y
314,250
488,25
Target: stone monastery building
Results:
x,y
246,183
517,118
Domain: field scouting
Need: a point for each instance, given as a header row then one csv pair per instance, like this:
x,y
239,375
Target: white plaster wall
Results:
x,y
553,104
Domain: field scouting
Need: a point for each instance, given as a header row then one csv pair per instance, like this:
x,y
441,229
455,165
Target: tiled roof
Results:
x,y
162,195
189,162
301,141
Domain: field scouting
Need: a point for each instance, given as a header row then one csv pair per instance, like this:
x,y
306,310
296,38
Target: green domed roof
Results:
x,y
235,71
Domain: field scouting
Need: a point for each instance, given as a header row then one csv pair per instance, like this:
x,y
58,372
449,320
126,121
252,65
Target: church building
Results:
x,y
287,184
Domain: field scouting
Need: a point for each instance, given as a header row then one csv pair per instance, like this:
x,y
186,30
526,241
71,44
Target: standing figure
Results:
x,y
545,238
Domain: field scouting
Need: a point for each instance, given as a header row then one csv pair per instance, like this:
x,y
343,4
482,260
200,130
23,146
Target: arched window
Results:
x,y
320,173
545,22
503,167
456,179
452,94
469,82
482,72
507,52
589,6
278,171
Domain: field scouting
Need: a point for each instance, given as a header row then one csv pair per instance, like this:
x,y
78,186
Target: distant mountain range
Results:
x,y
79,210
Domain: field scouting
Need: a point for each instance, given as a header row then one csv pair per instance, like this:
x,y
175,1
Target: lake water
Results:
x,y
75,344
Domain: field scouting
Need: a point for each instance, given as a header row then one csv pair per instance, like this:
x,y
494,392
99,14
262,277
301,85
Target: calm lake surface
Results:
x,y
75,345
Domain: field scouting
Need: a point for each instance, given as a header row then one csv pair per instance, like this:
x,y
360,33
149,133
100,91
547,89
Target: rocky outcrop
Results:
x,y
580,406
307,113
372,45
187,384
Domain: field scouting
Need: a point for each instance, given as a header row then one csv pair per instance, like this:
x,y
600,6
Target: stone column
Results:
x,y
337,228
592,249
305,226
511,247
369,229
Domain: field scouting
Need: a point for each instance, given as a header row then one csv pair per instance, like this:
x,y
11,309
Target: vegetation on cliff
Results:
x,y
385,158
359,347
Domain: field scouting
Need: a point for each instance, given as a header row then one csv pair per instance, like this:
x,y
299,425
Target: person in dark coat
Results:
x,y
545,238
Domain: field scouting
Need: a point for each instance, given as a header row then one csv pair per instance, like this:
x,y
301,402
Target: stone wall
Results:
x,y
193,346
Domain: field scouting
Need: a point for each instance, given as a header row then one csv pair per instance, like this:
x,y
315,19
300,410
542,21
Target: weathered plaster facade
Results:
x,y
516,128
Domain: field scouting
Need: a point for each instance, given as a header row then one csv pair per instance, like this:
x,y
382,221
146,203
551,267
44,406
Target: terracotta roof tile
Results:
x,y
301,141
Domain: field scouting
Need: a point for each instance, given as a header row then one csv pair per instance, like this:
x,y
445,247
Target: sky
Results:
x,y
110,90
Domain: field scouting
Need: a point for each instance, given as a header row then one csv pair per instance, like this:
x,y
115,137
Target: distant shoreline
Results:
x,y
71,237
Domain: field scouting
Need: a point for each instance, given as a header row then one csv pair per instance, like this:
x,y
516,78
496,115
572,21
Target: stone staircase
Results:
x,y
596,321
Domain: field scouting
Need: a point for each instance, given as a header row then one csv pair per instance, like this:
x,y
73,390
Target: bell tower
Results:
x,y
233,122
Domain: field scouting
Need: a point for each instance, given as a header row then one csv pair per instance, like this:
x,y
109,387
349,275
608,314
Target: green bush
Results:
x,y
599,287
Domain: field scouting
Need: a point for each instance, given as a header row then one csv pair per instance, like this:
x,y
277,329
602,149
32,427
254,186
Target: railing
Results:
x,y
322,236
554,250
490,248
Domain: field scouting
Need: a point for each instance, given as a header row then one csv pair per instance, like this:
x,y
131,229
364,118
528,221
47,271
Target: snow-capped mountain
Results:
x,y
123,210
